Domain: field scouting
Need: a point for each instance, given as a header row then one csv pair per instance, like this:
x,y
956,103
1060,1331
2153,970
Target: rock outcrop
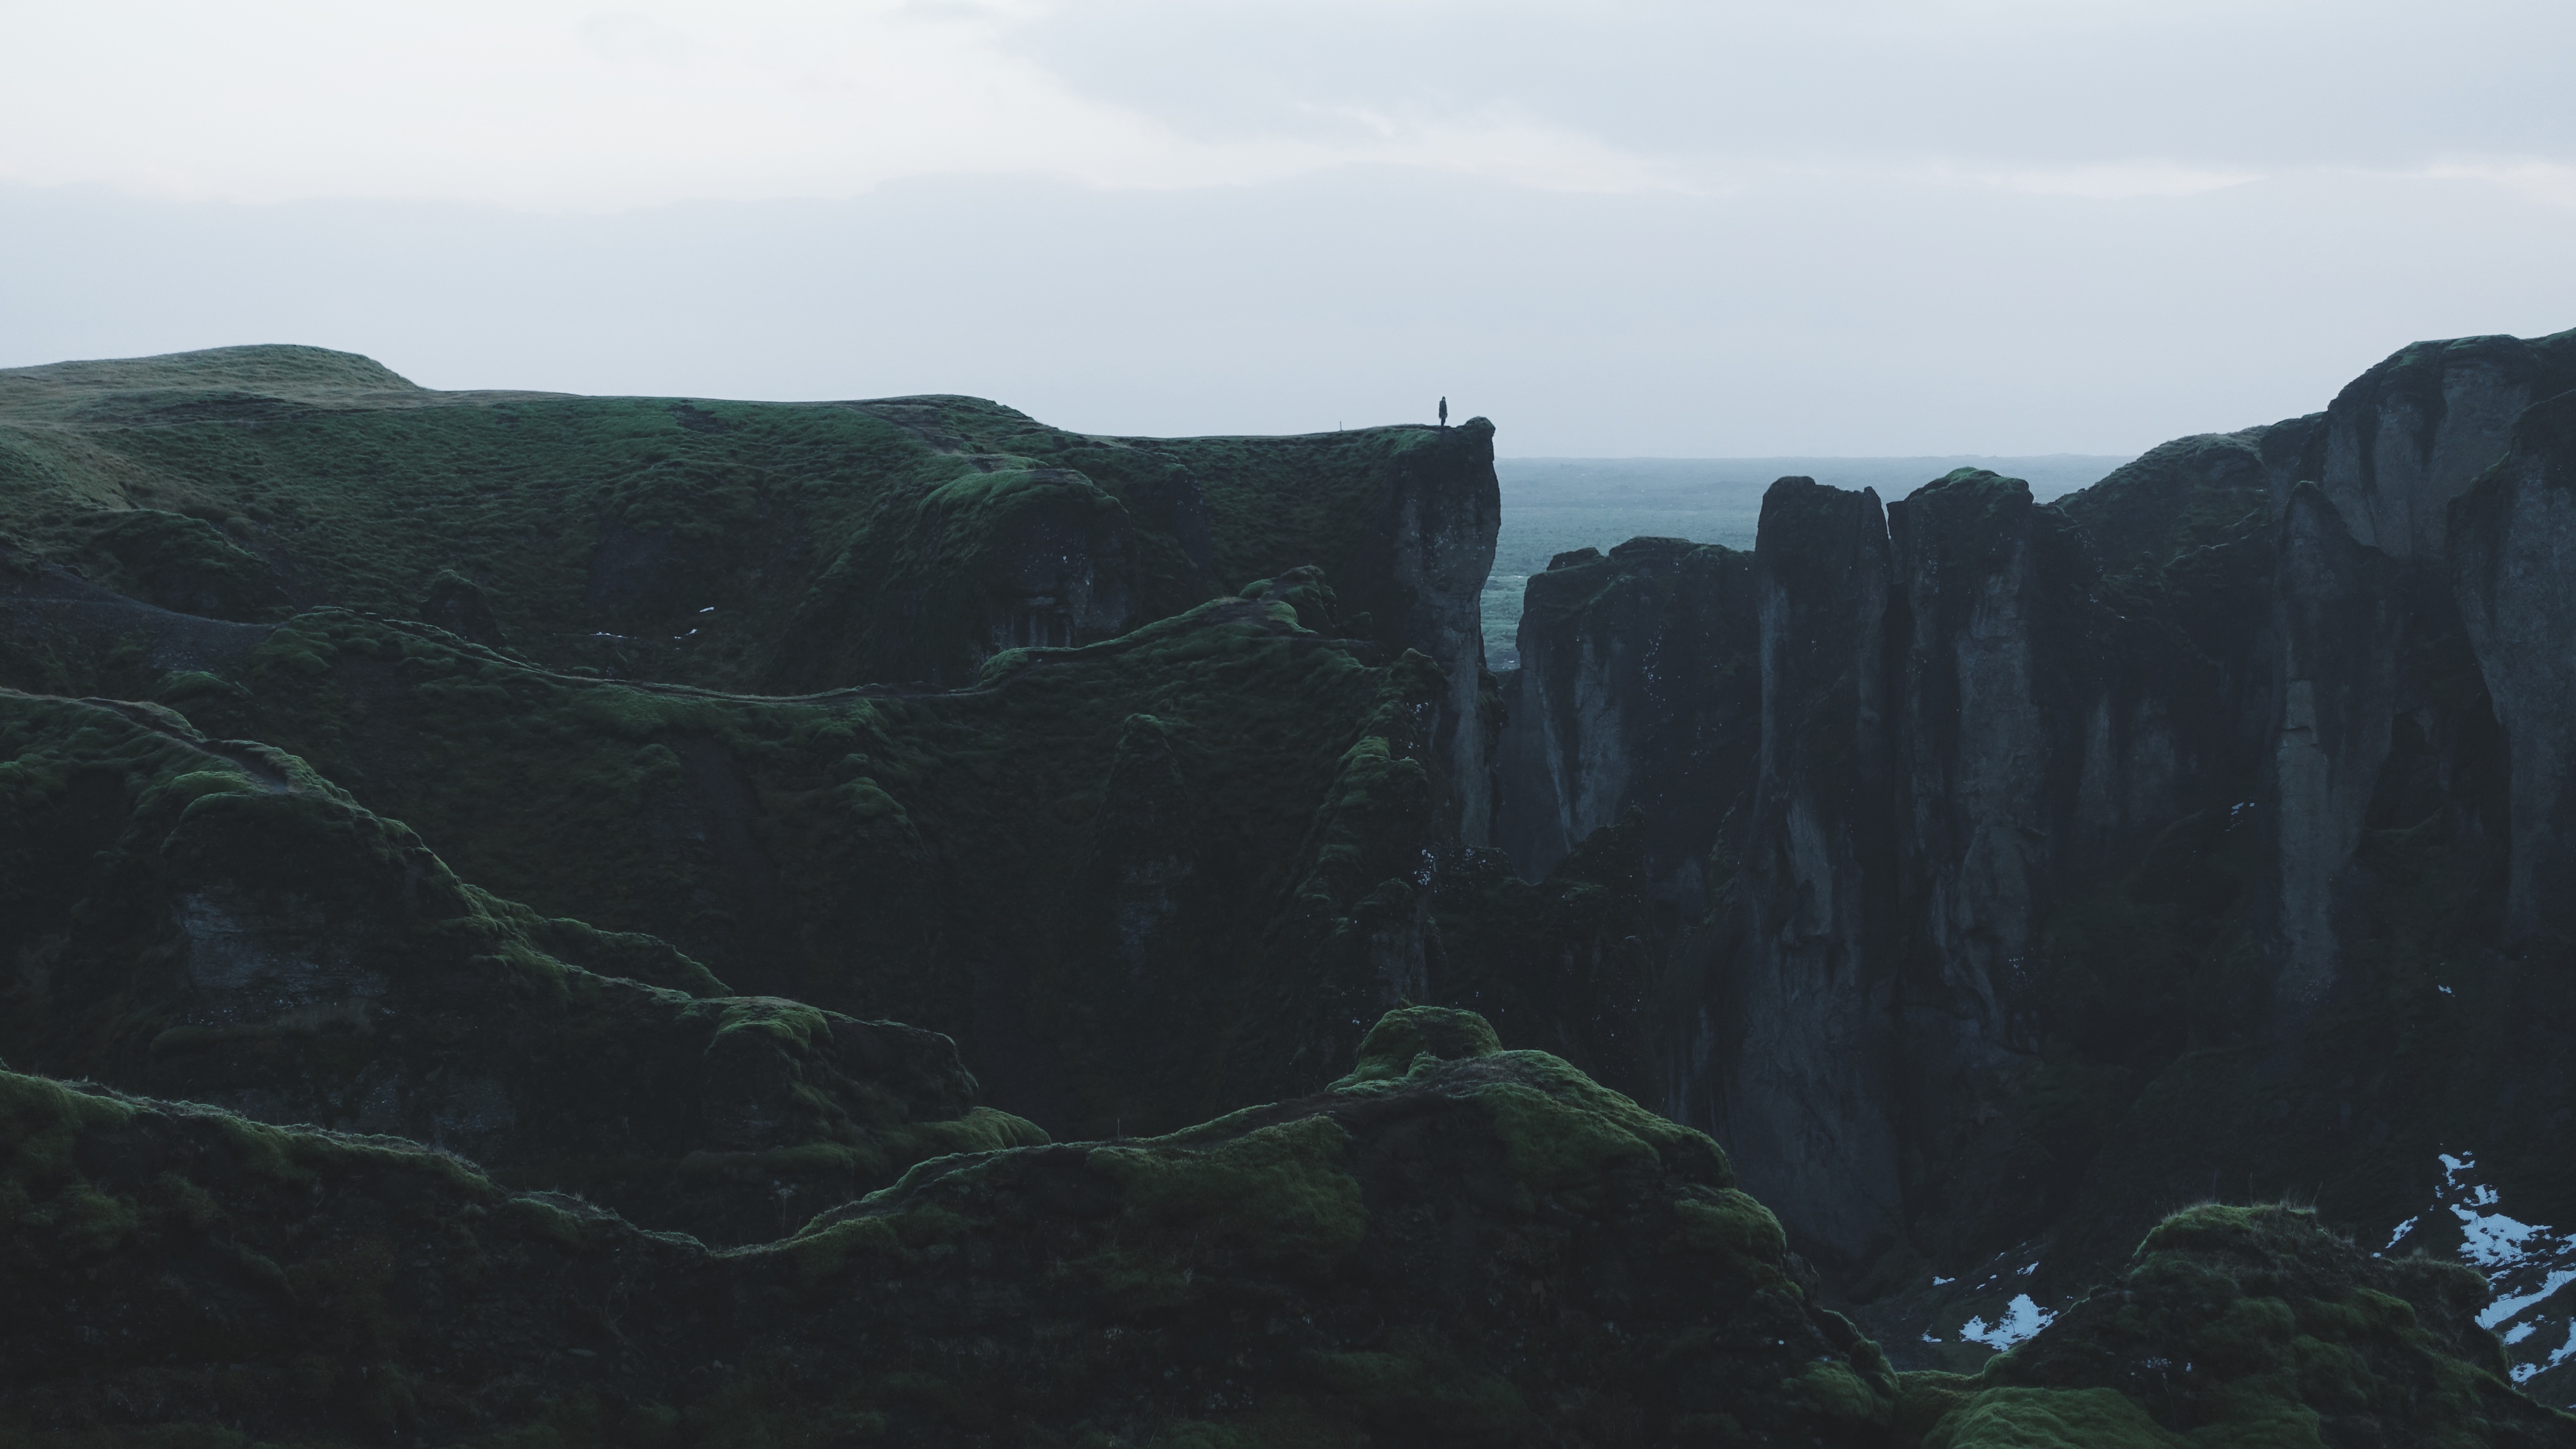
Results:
x,y
2410,435
1639,685
2513,567
2240,756
1804,1080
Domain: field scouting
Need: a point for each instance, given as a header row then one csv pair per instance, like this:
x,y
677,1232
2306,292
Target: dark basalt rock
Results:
x,y
1805,1055
2513,570
2410,435
1638,686
2071,825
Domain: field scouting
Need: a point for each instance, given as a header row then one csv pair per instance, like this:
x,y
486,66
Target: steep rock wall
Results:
x,y
2513,542
2411,434
1639,687
1804,1080
2069,825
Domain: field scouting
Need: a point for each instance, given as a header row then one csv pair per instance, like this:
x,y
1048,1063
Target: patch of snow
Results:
x,y
2490,1240
2525,1264
2403,1229
1931,1338
2446,991
2026,1272
1938,1280
2507,1305
2021,1319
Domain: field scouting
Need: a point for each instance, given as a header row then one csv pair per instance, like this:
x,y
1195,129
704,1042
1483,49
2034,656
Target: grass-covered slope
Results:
x,y
1454,1245
729,544
211,920
1090,869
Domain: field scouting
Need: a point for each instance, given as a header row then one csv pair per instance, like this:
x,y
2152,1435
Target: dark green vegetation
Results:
x,y
1453,1244
628,886
1180,815
2246,1326
216,922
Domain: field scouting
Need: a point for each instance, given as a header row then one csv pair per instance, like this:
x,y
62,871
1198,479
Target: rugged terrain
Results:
x,y
540,919
2019,873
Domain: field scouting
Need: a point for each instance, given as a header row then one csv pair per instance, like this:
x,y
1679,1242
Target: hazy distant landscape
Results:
x,y
1553,505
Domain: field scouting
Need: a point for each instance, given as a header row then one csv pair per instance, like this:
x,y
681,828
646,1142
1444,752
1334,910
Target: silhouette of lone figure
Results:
x,y
1444,412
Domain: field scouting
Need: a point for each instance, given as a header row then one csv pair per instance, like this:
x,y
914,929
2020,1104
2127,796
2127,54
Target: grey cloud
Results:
x,y
2262,83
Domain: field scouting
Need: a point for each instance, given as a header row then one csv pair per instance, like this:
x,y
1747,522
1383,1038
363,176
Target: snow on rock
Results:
x,y
2021,1318
2526,1264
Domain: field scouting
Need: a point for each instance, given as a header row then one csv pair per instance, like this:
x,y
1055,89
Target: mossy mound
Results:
x,y
1488,1249
211,920
2249,1326
1089,868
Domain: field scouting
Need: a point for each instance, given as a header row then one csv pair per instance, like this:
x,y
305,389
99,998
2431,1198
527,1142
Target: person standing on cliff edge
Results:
x,y
1444,412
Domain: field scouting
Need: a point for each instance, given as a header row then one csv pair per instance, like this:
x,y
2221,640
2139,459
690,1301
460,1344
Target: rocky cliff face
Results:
x,y
2413,433
2513,569
1802,1074
1639,683
1402,522
2051,809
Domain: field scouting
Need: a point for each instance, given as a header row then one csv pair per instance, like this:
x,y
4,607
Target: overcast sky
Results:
x,y
1827,226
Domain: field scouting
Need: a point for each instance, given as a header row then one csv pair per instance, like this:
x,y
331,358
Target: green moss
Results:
x,y
1556,1147
2050,1419
2246,1326
1832,1392
1401,1036
1729,1223
1277,1190
1419,1393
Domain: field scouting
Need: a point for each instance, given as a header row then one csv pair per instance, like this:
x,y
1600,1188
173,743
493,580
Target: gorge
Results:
x,y
538,919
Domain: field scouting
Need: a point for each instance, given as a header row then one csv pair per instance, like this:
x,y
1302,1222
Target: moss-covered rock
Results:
x,y
2244,1326
210,920
1486,1249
